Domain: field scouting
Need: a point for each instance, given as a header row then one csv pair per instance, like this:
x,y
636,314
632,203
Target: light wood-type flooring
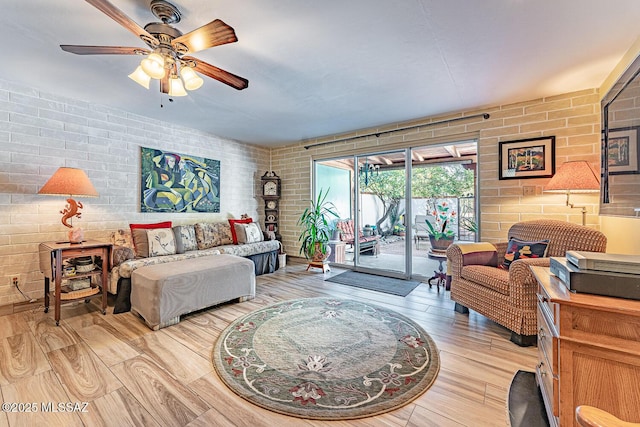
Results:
x,y
130,375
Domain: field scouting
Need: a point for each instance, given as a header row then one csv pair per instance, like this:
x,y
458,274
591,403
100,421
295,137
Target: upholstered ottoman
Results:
x,y
161,293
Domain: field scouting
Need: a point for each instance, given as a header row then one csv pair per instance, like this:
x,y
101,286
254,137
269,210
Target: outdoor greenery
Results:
x,y
440,181
317,225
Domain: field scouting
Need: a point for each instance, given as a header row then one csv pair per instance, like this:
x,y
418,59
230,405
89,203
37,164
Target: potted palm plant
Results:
x,y
317,228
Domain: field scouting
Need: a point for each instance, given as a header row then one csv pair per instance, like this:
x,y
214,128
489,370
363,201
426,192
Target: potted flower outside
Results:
x,y
440,233
317,229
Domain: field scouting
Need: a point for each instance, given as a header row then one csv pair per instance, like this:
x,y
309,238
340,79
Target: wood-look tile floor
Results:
x,y
132,376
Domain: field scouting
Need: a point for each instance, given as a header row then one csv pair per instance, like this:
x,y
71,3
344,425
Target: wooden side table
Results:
x,y
52,257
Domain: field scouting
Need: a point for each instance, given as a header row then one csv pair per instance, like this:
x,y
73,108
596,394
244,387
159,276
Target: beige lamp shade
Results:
x,y
576,177
69,182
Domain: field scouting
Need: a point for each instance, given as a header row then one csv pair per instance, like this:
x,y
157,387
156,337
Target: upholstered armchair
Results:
x,y
507,295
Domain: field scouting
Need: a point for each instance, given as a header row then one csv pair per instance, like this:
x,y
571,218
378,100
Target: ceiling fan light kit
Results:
x,y
140,77
153,66
166,61
191,80
175,87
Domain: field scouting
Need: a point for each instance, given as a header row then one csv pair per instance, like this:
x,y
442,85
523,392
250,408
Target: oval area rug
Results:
x,y
328,359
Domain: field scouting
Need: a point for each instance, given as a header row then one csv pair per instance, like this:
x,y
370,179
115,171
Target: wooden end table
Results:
x,y
439,275
52,256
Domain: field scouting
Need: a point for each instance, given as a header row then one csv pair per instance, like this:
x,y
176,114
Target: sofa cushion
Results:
x,y
232,222
493,278
161,241
185,236
224,231
248,233
139,235
207,235
518,249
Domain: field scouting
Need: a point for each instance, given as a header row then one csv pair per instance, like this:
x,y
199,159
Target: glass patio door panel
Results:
x,y
380,204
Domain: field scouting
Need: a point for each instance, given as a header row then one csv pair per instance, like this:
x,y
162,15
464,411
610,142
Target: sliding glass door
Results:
x,y
385,198
369,193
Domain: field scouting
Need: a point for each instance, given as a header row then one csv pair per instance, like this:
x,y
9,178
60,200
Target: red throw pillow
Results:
x,y
233,229
165,224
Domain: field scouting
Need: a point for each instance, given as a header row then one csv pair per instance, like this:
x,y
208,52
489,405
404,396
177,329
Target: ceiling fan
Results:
x,y
167,60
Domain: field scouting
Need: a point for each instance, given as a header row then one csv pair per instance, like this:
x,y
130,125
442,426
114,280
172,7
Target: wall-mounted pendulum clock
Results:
x,y
271,196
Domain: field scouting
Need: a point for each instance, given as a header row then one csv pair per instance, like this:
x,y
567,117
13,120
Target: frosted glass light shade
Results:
x,y
140,77
153,65
175,87
192,81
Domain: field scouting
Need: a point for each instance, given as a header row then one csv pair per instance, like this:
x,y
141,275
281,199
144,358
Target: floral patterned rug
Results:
x,y
328,359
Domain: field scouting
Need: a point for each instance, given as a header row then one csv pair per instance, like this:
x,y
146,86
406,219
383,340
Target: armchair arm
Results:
x,y
461,254
588,416
522,283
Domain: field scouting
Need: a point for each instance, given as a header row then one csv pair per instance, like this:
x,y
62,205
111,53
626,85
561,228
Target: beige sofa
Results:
x,y
508,296
190,242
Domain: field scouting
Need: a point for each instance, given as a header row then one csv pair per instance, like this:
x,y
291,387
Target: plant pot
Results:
x,y
317,256
440,244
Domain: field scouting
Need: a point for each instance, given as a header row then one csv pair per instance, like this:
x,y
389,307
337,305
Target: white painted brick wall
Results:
x,y
40,132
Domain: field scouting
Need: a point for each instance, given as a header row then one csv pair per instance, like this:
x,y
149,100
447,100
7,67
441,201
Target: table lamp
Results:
x,y
574,177
70,182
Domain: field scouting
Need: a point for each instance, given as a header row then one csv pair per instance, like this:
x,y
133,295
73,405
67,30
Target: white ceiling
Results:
x,y
322,67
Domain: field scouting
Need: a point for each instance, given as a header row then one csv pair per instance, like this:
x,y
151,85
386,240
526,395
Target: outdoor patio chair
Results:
x,y
368,244
421,232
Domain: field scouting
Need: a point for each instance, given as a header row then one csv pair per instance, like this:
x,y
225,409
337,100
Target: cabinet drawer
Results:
x,y
547,341
550,311
548,384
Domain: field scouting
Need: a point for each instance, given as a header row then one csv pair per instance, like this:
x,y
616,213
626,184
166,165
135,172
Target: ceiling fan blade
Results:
x,y
221,75
117,15
215,33
103,50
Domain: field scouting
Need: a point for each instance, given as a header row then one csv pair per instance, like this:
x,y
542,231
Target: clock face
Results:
x,y
270,189
271,218
271,204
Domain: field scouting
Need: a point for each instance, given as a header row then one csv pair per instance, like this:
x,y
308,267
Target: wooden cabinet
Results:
x,y
589,352
54,255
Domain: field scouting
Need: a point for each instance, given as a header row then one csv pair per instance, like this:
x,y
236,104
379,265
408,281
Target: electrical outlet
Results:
x,y
15,280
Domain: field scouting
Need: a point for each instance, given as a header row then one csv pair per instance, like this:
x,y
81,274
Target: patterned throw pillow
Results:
x,y
207,235
248,233
518,249
161,242
224,231
139,235
185,236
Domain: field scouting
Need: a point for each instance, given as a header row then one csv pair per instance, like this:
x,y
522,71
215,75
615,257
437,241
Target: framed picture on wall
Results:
x,y
527,158
176,182
623,151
